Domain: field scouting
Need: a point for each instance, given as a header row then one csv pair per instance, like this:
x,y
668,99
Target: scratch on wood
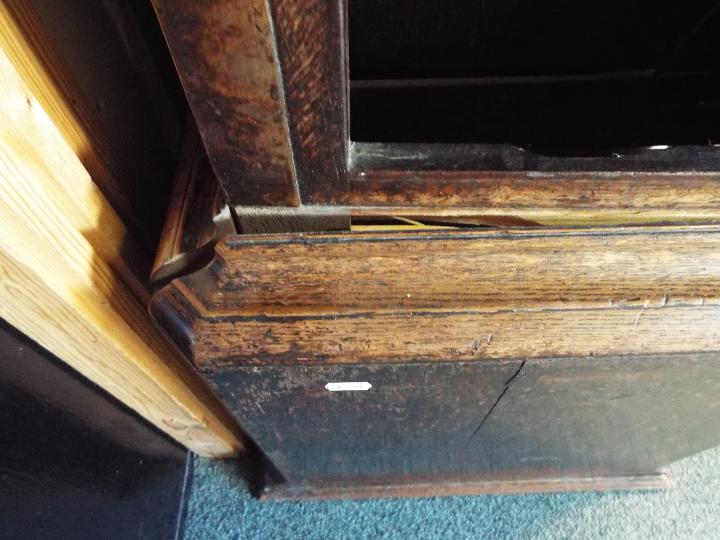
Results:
x,y
641,311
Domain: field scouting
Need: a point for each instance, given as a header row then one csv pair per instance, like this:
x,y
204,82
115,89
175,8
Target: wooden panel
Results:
x,y
393,429
334,298
225,55
310,37
452,424
62,256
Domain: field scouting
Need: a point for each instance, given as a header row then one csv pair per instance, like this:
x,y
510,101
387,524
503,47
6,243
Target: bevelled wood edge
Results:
x,y
194,221
247,306
460,270
176,318
226,57
223,342
310,43
443,488
493,216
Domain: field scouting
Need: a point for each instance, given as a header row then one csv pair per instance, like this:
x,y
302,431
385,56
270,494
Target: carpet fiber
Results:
x,y
220,506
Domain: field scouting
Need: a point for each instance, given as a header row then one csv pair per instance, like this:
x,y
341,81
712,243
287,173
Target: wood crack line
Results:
x,y
497,401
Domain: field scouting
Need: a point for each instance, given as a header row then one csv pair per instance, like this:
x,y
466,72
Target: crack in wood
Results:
x,y
494,405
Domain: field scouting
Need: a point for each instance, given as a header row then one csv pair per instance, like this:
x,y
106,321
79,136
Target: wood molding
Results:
x,y
520,192
66,281
190,229
449,296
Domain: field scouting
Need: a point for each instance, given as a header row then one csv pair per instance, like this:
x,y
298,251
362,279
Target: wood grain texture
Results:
x,y
310,40
629,192
417,179
225,55
25,47
61,259
101,105
449,295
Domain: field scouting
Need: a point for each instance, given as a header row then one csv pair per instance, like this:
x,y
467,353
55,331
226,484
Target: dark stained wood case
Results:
x,y
499,360
557,352
515,424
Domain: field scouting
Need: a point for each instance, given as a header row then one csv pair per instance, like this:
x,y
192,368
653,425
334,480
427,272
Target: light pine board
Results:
x,y
65,278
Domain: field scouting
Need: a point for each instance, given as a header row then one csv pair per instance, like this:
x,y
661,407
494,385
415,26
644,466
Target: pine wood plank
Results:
x,y
61,245
86,66
26,49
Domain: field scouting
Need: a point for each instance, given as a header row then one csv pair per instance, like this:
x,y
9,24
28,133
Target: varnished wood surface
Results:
x,y
329,274
226,59
304,65
555,216
413,335
449,295
310,42
629,192
65,282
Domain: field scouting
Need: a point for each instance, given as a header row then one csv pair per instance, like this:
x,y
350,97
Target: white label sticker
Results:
x,y
347,386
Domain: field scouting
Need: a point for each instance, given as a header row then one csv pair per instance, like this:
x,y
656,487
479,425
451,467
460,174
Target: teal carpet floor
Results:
x,y
220,506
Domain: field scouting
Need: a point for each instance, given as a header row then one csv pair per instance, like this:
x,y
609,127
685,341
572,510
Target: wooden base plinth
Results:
x,y
661,480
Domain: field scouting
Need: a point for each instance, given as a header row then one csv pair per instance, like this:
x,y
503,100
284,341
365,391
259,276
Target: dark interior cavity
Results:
x,y
556,78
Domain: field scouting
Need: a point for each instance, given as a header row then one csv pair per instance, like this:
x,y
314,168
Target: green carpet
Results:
x,y
221,507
